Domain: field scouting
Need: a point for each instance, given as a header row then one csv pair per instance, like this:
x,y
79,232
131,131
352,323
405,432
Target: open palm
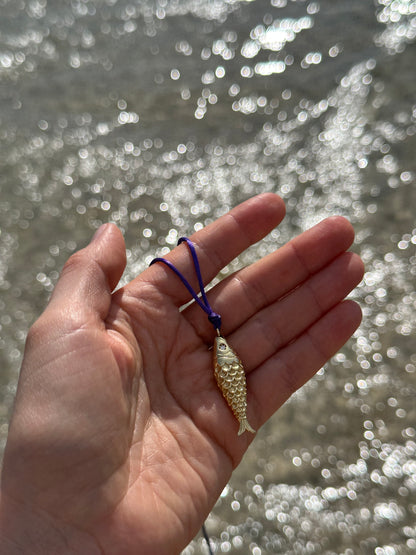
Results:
x,y
120,441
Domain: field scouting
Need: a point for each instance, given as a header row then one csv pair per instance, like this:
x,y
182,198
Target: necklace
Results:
x,y
228,368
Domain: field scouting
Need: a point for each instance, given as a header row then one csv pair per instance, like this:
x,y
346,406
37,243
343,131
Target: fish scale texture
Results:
x,y
231,379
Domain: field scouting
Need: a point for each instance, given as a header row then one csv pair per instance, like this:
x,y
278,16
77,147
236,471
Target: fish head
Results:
x,y
223,351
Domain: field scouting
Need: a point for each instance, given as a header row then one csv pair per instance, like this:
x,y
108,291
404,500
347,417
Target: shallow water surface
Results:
x,y
159,116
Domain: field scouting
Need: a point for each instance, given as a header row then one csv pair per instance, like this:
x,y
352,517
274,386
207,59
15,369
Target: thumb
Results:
x,y
90,275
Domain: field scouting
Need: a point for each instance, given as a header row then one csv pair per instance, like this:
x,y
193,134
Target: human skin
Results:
x,y
120,441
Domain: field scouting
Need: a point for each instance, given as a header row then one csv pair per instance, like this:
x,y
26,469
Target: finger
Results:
x,y
270,385
216,245
281,322
90,275
243,294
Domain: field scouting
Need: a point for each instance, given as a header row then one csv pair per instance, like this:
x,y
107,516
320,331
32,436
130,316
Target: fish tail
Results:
x,y
245,426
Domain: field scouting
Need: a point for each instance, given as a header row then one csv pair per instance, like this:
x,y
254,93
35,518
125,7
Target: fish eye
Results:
x,y
222,346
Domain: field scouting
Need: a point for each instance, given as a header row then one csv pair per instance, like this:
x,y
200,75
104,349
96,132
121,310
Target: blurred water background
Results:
x,y
160,115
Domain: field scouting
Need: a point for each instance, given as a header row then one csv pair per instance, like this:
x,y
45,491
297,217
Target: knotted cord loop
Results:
x,y
213,317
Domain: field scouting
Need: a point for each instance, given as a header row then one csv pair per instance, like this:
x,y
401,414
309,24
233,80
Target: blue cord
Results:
x,y
205,533
213,317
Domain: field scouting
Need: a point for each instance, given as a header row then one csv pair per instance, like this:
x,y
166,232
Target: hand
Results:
x,y
120,441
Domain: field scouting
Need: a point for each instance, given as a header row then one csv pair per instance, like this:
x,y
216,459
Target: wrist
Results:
x,y
24,531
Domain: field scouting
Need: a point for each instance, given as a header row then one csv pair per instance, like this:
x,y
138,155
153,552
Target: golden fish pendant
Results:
x,y
231,379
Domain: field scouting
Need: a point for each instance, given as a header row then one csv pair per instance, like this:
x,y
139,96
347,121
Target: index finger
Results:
x,y
216,245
